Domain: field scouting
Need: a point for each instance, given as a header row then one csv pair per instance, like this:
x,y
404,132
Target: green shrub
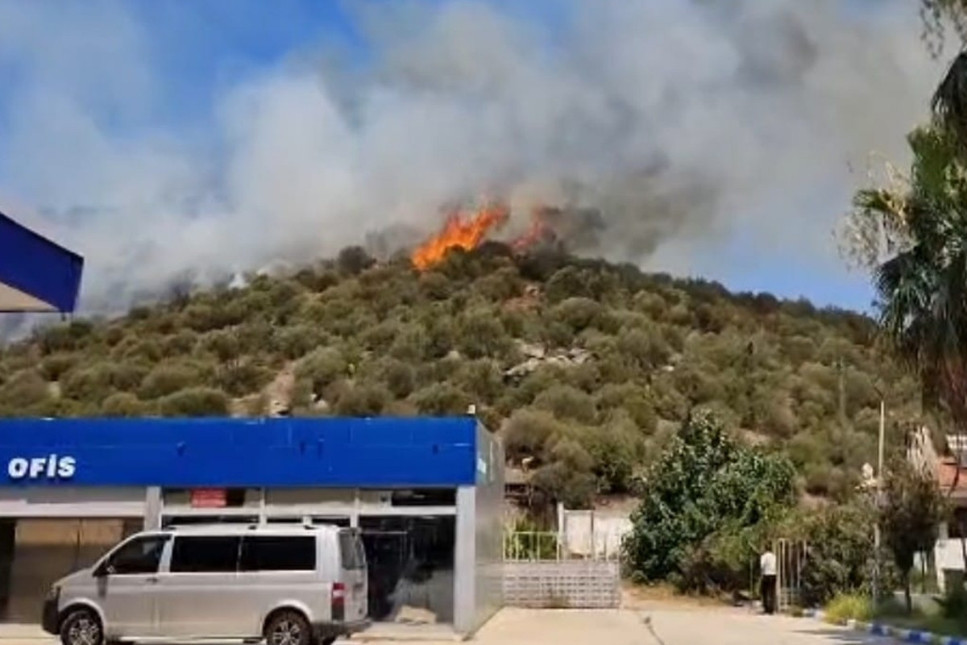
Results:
x,y
181,343
91,383
322,368
566,476
296,342
242,378
441,400
567,403
194,402
481,335
124,404
56,365
22,390
528,433
362,400
844,607
400,378
168,378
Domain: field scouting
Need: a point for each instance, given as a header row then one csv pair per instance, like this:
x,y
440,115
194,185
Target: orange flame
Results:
x,y
459,232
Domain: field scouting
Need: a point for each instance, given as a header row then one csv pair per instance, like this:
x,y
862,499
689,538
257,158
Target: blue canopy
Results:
x,y
36,275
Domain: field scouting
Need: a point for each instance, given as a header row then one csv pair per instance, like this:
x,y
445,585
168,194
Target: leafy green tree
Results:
x,y
913,510
703,481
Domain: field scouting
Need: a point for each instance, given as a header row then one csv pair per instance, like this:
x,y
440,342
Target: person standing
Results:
x,y
767,565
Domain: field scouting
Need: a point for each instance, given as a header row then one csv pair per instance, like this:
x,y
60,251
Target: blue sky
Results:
x,y
130,107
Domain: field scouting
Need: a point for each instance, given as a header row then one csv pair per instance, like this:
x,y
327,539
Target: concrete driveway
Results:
x,y
661,626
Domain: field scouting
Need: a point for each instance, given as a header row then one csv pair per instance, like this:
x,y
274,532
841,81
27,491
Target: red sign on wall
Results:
x,y
208,498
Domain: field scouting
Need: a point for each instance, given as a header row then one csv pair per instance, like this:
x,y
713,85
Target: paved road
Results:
x,y
668,625
661,625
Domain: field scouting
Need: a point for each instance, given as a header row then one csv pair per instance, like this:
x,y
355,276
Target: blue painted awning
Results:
x,y
36,274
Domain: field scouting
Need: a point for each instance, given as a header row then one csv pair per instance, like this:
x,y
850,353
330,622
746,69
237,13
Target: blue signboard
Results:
x,y
335,452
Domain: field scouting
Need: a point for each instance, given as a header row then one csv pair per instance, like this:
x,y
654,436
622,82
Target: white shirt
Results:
x,y
767,562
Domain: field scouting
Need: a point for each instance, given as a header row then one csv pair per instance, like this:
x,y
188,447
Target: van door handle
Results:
x,y
152,579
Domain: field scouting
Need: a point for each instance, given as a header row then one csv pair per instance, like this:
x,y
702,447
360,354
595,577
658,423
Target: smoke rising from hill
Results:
x,y
687,123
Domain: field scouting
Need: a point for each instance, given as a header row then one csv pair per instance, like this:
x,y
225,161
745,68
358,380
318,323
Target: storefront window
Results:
x,y
212,497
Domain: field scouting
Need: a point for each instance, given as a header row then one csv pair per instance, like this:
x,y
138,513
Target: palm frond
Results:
x,y
949,102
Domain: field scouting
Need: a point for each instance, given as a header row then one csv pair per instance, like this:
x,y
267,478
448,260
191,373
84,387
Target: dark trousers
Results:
x,y
769,594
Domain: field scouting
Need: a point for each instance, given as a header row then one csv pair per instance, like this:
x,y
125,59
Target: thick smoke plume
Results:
x,y
693,126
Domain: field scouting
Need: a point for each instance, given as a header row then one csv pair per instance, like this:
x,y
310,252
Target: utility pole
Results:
x,y
879,491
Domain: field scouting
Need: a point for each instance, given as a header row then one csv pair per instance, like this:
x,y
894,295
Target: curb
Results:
x,y
881,629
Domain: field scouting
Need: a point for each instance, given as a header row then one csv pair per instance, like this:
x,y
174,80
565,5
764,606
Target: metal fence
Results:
x,y
550,546
790,561
532,546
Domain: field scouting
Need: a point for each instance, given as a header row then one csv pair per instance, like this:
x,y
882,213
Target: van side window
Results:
x,y
351,553
139,556
278,553
205,554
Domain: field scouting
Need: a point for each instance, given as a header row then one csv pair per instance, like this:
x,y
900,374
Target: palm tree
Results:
x,y
912,236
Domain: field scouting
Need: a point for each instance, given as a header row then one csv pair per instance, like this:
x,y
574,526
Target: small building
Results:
x,y
426,493
948,555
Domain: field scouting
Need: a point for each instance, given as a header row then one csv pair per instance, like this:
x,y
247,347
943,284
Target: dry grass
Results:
x,y
637,596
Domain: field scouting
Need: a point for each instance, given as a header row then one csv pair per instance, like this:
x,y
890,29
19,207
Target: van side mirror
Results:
x,y
103,570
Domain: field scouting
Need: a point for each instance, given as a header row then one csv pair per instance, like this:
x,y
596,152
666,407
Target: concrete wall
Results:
x,y
595,533
72,501
489,530
947,555
574,584
478,553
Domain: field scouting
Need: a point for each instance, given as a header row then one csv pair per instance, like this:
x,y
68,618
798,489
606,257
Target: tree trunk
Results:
x,y
906,591
962,527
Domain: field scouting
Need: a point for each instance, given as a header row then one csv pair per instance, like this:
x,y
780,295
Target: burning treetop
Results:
x,y
470,230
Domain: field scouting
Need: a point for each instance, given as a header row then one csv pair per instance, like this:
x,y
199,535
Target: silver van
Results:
x,y
287,584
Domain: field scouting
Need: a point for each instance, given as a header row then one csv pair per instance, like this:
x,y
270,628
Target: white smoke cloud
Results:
x,y
691,124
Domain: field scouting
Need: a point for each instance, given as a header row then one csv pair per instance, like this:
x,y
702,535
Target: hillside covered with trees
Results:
x,y
584,367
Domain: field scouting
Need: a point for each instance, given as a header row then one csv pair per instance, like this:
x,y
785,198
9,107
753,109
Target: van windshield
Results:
x,y
350,551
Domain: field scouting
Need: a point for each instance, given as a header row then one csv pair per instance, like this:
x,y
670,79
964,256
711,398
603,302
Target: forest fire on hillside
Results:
x,y
460,232
470,231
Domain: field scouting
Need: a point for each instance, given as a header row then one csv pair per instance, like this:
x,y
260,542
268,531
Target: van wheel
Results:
x,y
286,628
81,627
